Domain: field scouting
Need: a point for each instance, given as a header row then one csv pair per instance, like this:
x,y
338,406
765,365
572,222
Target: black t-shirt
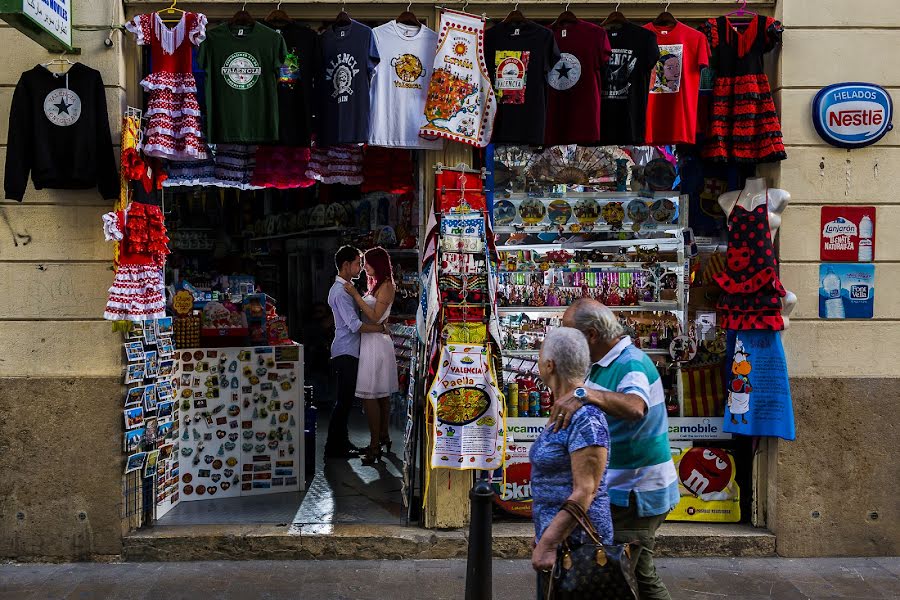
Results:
x,y
296,104
518,57
626,84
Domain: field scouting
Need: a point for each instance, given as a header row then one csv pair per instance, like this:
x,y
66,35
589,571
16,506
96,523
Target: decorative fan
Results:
x,y
511,164
577,165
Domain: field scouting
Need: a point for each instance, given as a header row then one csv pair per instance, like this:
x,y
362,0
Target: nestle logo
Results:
x,y
852,115
855,117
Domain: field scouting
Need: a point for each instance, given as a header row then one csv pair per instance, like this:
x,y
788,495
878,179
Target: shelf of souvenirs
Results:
x,y
625,228
559,310
595,267
671,243
535,352
618,196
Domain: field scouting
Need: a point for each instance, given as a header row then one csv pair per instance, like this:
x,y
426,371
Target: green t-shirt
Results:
x,y
241,63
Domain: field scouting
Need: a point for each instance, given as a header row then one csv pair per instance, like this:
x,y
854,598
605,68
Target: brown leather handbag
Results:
x,y
592,570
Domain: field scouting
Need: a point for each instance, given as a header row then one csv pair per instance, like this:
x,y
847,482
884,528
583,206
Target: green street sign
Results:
x,y
48,22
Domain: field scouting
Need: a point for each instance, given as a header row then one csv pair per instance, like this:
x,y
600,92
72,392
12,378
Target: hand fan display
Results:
x,y
511,165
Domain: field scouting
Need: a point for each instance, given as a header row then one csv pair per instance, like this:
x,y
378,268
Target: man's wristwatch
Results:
x,y
581,394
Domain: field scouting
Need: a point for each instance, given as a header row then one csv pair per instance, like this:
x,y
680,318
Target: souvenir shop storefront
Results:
x,y
509,165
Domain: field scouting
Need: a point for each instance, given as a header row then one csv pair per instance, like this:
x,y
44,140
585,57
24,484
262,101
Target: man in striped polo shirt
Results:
x,y
624,383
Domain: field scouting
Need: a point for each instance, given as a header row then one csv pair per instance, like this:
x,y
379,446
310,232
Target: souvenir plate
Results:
x,y
587,211
560,212
532,211
504,213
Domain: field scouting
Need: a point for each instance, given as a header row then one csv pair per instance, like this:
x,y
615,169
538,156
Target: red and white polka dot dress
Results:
x,y
753,292
174,129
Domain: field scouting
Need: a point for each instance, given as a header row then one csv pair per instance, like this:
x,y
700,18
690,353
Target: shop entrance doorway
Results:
x,y
233,250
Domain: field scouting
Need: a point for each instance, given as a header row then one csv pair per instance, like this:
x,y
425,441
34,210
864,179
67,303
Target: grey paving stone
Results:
x,y
687,579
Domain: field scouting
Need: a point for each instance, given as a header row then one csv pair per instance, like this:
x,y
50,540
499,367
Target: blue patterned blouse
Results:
x,y
551,472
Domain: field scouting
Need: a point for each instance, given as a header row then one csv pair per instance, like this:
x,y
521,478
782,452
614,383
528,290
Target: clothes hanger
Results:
x,y
741,12
342,19
171,11
515,16
60,60
566,17
278,16
665,18
614,18
407,17
242,17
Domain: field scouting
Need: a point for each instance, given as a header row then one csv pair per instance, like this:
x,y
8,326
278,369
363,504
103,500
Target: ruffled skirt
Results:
x,y
174,129
137,294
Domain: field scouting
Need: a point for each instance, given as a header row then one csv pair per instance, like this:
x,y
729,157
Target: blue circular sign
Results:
x,y
852,115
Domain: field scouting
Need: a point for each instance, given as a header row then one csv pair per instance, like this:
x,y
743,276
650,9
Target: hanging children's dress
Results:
x,y
753,292
174,128
138,291
460,104
744,125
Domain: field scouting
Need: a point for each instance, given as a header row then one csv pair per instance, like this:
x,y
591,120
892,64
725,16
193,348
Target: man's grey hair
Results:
x,y
587,316
568,349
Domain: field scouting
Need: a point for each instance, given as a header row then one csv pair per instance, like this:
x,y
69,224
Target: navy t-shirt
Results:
x,y
348,61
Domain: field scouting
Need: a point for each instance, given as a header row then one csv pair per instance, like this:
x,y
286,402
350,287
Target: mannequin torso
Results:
x,y
755,193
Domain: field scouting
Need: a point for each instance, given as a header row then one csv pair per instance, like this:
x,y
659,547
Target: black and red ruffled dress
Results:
x,y
753,292
138,291
743,124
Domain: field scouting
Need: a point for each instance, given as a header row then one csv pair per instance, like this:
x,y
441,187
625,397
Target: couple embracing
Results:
x,y
362,355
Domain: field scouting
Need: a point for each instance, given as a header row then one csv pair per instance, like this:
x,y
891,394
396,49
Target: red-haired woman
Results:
x,y
377,374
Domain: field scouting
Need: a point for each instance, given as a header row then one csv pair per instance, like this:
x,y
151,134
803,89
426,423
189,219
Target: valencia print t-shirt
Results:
x,y
400,86
573,114
348,60
675,84
626,84
519,56
241,64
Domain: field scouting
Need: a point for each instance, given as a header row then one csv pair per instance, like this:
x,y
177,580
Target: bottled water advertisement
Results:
x,y
848,234
846,291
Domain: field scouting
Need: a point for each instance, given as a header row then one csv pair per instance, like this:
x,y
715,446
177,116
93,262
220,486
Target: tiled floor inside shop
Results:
x,y
342,491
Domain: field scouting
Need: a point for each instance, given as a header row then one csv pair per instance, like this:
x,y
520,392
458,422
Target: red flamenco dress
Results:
x,y
743,124
753,292
174,129
138,292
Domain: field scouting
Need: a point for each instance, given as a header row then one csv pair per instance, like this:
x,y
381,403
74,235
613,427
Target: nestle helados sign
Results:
x,y
852,115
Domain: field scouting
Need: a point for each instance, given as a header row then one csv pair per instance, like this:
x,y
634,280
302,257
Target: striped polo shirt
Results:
x,y
640,460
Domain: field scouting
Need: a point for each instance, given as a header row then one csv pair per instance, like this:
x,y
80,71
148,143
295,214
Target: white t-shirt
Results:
x,y
400,86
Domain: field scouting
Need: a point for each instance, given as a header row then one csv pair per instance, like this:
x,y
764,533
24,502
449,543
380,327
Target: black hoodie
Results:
x,y
59,132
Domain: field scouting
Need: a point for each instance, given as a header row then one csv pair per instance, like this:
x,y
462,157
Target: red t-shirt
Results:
x,y
675,85
573,113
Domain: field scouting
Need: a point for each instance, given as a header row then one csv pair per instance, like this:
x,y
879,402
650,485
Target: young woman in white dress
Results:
x,y
377,375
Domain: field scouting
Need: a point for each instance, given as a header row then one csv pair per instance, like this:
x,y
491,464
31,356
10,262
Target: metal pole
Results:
x,y
479,566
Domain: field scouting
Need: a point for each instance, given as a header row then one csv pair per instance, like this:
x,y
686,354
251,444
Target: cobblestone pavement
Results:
x,y
706,579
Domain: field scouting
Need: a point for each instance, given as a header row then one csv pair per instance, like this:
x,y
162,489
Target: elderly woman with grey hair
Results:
x,y
567,465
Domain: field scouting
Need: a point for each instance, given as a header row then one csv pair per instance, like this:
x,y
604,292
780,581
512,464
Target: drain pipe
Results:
x,y
479,567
